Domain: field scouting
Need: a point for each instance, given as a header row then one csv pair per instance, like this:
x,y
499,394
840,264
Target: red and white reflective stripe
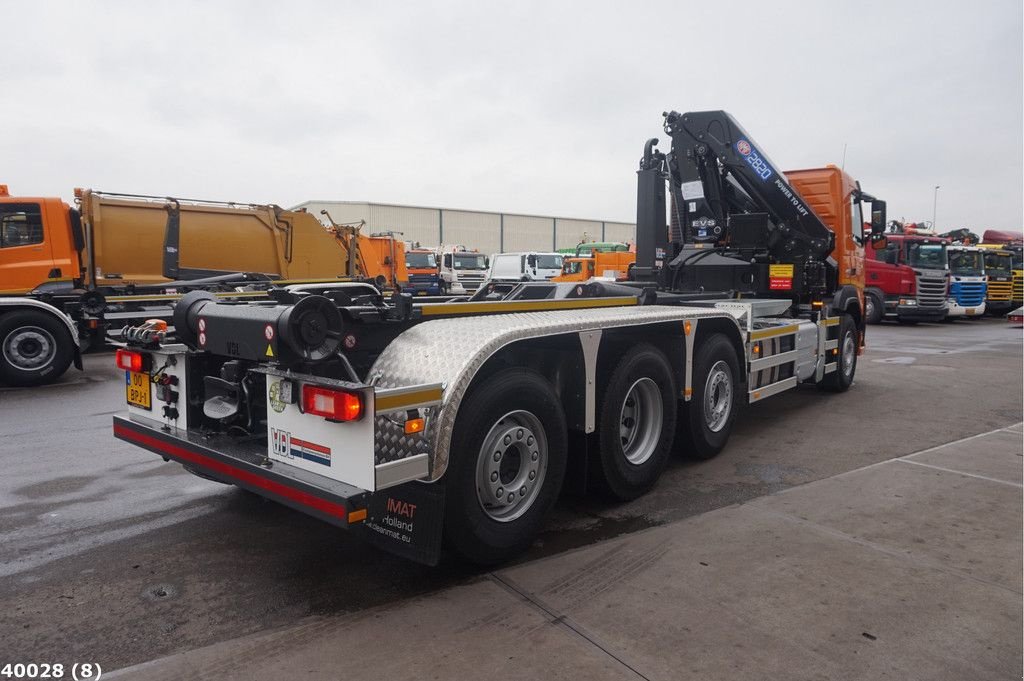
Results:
x,y
311,446
181,454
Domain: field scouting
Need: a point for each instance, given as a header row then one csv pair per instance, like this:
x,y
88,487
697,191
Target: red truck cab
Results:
x,y
908,280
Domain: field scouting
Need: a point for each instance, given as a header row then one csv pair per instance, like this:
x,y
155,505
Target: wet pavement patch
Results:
x,y
55,487
160,592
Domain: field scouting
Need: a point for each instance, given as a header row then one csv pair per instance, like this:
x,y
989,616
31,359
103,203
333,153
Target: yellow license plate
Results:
x,y
970,310
136,389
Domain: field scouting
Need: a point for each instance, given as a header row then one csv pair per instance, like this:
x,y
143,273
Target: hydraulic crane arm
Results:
x,y
717,170
734,215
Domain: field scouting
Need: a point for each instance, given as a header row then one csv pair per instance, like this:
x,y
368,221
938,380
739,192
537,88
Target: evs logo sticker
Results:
x,y
754,160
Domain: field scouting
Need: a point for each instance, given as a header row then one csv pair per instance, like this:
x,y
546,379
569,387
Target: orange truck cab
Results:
x,y
424,274
40,243
832,194
604,264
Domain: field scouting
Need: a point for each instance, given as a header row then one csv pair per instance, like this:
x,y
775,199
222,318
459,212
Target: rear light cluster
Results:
x,y
337,405
131,361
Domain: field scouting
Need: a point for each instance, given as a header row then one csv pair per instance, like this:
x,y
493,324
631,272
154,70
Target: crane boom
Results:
x,y
733,214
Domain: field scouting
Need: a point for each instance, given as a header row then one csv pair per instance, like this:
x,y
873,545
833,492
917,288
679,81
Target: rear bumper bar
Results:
x,y
245,464
917,314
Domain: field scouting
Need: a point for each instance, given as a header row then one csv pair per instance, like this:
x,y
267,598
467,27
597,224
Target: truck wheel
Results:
x,y
841,379
706,420
637,424
507,462
873,308
35,348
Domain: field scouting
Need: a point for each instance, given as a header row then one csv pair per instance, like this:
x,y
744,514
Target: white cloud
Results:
x,y
539,107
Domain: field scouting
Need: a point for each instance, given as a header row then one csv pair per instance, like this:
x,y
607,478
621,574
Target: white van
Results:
x,y
525,266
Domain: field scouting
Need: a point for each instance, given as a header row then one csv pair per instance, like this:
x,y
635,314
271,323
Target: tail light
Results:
x,y
337,405
130,361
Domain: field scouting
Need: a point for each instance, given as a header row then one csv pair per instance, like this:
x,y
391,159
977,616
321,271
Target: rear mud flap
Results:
x,y
406,520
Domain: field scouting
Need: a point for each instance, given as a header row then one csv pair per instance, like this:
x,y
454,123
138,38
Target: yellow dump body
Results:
x,y
127,240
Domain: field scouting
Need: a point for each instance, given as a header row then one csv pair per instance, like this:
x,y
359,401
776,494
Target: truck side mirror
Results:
x,y
877,217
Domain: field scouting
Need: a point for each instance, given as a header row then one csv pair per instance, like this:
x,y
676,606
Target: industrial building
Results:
x,y
485,231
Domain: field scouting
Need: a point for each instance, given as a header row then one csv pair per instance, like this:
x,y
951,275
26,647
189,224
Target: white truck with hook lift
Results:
x,y
460,421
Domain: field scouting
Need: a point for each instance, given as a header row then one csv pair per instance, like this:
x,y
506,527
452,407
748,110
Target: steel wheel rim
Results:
x,y
718,396
29,348
849,352
640,420
870,307
511,466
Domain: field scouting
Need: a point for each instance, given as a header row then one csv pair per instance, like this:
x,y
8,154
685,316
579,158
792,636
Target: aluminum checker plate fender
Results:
x,y
451,352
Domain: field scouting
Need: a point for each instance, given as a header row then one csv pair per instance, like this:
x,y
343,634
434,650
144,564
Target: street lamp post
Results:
x,y
935,203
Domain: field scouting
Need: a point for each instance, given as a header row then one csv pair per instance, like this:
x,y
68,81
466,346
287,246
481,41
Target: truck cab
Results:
x,y
968,283
1011,243
908,280
421,264
999,270
531,266
601,264
462,271
39,240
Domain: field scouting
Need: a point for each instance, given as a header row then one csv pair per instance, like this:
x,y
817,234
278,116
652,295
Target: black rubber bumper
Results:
x,y
911,314
245,464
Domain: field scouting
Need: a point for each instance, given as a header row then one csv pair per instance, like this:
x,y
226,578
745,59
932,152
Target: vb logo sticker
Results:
x,y
743,146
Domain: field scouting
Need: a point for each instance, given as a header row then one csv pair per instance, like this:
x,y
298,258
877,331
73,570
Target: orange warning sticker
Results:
x,y
780,277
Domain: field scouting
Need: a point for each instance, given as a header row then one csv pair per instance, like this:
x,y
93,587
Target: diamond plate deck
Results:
x,y
452,351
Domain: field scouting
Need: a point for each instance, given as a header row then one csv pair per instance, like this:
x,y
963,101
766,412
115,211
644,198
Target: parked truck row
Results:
x,y
921,276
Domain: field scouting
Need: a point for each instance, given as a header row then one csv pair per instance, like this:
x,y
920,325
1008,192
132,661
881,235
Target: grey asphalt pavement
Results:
x,y
111,555
907,569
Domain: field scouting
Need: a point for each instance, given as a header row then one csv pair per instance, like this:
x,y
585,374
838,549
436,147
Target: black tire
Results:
x,y
35,348
700,435
636,424
874,308
841,379
479,535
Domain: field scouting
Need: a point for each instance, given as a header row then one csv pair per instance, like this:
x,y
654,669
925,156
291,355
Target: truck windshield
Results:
x,y
21,224
966,263
931,256
997,264
549,262
572,267
420,260
467,261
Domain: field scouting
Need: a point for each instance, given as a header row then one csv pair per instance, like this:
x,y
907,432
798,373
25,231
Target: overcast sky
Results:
x,y
516,106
